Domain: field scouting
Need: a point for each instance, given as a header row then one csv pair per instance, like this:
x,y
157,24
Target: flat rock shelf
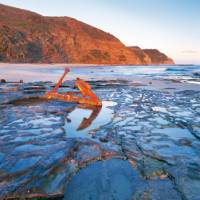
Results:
x,y
144,144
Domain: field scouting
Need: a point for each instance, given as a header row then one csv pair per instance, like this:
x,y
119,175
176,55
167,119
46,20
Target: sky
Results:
x,y
172,26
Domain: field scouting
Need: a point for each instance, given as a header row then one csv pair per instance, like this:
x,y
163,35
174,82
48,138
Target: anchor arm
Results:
x,y
88,96
86,91
55,89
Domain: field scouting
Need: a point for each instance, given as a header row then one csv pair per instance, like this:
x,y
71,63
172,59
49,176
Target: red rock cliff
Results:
x,y
28,37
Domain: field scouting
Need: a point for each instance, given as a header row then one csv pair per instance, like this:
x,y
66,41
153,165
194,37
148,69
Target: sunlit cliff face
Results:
x,y
27,37
164,25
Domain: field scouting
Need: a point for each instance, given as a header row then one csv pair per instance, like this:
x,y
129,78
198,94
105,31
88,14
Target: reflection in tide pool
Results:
x,y
77,118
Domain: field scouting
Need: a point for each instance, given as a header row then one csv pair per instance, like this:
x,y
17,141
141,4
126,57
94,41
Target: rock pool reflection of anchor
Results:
x,y
86,98
86,122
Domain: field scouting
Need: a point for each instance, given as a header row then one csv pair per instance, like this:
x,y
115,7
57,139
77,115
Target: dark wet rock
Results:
x,y
111,179
155,132
163,189
34,89
1,157
152,168
28,101
135,84
45,170
144,195
87,152
187,92
116,179
2,81
196,73
187,185
109,84
185,142
24,164
103,139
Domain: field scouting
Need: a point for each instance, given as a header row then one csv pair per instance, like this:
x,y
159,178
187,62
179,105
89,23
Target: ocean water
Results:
x,y
190,73
28,73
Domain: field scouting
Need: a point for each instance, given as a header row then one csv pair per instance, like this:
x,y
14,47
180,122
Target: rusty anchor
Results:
x,y
85,95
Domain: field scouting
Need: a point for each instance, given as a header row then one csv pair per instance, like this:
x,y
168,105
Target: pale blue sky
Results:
x,y
173,26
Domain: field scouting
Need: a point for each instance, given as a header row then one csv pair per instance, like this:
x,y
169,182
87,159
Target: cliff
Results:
x,y
27,37
151,56
157,57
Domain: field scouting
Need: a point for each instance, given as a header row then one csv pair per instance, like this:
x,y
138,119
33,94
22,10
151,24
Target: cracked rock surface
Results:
x,y
144,144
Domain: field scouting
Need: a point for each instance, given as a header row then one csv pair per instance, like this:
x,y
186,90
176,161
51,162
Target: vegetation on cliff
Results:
x,y
27,37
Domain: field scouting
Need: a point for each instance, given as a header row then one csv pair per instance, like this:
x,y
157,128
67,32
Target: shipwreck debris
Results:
x,y
85,96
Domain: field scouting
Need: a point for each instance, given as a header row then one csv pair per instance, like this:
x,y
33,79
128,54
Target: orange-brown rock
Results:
x,y
151,56
157,57
28,37
144,58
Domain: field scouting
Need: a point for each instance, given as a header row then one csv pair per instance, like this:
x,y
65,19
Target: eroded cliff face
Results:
x,y
151,56
144,58
157,57
28,37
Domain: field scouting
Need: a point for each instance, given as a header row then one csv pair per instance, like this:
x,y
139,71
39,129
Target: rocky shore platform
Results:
x,y
144,144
